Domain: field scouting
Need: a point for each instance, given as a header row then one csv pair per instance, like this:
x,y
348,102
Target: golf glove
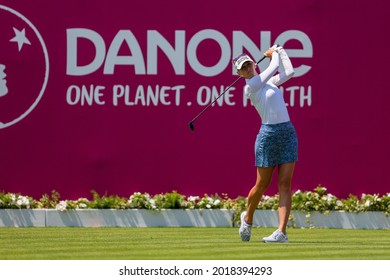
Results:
x,y
277,48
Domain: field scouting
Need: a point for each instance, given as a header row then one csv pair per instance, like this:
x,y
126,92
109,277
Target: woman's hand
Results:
x,y
269,52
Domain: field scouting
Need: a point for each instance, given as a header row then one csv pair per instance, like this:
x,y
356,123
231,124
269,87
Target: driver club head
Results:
x,y
192,127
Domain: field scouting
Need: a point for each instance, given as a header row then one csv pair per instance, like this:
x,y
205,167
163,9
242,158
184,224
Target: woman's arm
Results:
x,y
286,70
260,80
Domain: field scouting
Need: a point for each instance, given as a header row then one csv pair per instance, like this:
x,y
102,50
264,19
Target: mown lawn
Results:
x,y
189,244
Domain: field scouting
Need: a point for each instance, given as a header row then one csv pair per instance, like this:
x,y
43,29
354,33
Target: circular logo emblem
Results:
x,y
24,67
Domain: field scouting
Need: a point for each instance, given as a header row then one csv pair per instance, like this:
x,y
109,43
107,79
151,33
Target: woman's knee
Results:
x,y
260,188
284,184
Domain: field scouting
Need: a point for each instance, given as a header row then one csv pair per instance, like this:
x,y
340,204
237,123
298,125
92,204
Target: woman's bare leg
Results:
x,y
285,175
264,176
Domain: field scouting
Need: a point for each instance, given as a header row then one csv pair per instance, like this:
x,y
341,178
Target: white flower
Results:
x,y
367,204
23,201
152,203
217,202
329,198
193,198
61,206
208,206
81,206
134,195
297,192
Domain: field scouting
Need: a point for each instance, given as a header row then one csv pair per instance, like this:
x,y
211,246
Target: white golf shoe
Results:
x,y
276,237
245,229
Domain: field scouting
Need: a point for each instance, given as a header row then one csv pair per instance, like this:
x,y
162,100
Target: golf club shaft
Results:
x,y
215,100
208,106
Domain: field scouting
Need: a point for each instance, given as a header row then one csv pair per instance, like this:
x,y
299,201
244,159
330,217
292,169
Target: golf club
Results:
x,y
191,123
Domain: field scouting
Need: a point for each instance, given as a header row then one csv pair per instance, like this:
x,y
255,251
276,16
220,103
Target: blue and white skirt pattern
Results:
x,y
276,144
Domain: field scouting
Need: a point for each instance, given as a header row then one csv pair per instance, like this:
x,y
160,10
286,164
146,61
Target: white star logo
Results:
x,y
20,38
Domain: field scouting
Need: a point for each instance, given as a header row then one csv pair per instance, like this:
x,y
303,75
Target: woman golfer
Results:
x,y
276,144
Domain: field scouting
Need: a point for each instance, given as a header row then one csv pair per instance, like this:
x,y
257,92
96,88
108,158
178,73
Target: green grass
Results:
x,y
189,244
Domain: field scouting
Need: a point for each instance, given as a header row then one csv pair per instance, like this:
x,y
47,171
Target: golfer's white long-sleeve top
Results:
x,y
263,91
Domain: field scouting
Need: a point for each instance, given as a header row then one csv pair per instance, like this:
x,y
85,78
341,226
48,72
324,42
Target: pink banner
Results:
x,y
98,95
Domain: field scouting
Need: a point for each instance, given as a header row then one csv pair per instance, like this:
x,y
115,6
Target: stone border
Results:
x,y
115,218
335,219
184,218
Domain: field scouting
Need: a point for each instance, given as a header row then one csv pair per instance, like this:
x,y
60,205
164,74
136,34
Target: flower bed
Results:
x,y
307,208
317,200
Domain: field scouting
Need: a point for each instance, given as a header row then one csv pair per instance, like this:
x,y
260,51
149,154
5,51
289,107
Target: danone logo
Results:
x,y
109,57
160,55
24,67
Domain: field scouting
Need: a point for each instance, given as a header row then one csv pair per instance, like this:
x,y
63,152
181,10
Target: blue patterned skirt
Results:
x,y
276,144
